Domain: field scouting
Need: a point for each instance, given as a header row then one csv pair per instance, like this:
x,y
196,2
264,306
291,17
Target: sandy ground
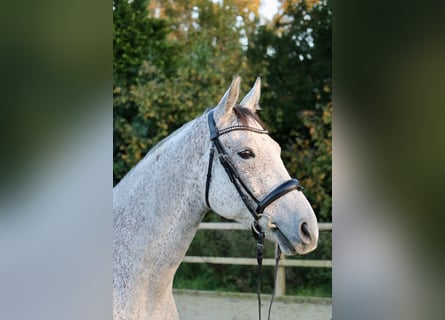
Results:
x,y
202,305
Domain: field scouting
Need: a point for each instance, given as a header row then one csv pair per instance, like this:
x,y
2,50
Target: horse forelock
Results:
x,y
244,114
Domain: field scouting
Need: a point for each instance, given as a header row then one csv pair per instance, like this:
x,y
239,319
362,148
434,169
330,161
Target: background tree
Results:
x,y
136,40
294,57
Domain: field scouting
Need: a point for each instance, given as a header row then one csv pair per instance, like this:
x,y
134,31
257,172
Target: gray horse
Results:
x,y
159,204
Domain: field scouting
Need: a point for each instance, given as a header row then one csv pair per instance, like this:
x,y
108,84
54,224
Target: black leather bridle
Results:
x,y
246,195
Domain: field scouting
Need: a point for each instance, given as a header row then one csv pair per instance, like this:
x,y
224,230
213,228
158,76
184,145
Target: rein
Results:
x,y
246,194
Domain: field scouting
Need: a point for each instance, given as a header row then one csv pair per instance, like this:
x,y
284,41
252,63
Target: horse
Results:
x,y
158,205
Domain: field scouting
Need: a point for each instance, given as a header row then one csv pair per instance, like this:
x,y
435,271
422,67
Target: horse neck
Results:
x,y
160,203
181,166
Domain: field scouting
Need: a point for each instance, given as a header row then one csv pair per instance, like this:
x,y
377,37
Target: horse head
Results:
x,y
250,167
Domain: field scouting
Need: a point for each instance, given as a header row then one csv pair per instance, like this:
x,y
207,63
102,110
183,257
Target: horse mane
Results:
x,y
159,144
244,114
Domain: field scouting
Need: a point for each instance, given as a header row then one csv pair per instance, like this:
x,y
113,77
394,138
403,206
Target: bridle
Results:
x,y
235,178
245,193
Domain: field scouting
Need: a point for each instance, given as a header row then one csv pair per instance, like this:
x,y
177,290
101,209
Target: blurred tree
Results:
x,y
294,57
207,54
136,39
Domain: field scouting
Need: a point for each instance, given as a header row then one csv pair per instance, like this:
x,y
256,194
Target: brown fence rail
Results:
x,y
281,273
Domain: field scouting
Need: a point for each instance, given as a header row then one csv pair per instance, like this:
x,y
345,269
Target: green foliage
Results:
x,y
294,56
224,277
301,281
168,70
310,156
160,84
136,39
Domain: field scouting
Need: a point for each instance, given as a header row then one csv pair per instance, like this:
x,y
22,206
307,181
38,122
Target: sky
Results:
x,y
268,8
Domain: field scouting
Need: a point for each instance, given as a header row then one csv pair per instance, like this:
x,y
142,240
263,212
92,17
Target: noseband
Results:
x,y
245,193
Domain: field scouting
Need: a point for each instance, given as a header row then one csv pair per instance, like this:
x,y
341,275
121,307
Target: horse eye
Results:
x,y
246,154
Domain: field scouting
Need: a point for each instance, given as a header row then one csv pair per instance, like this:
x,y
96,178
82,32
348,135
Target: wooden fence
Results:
x,y
280,288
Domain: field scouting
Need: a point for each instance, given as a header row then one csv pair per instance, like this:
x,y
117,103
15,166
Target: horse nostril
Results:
x,y
305,235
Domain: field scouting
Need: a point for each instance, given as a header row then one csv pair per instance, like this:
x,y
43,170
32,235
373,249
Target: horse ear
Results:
x,y
228,101
252,99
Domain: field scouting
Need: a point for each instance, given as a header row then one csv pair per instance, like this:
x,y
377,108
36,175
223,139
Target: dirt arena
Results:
x,y
203,305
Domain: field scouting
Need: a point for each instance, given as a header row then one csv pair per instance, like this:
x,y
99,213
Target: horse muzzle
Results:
x,y
294,236
303,242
